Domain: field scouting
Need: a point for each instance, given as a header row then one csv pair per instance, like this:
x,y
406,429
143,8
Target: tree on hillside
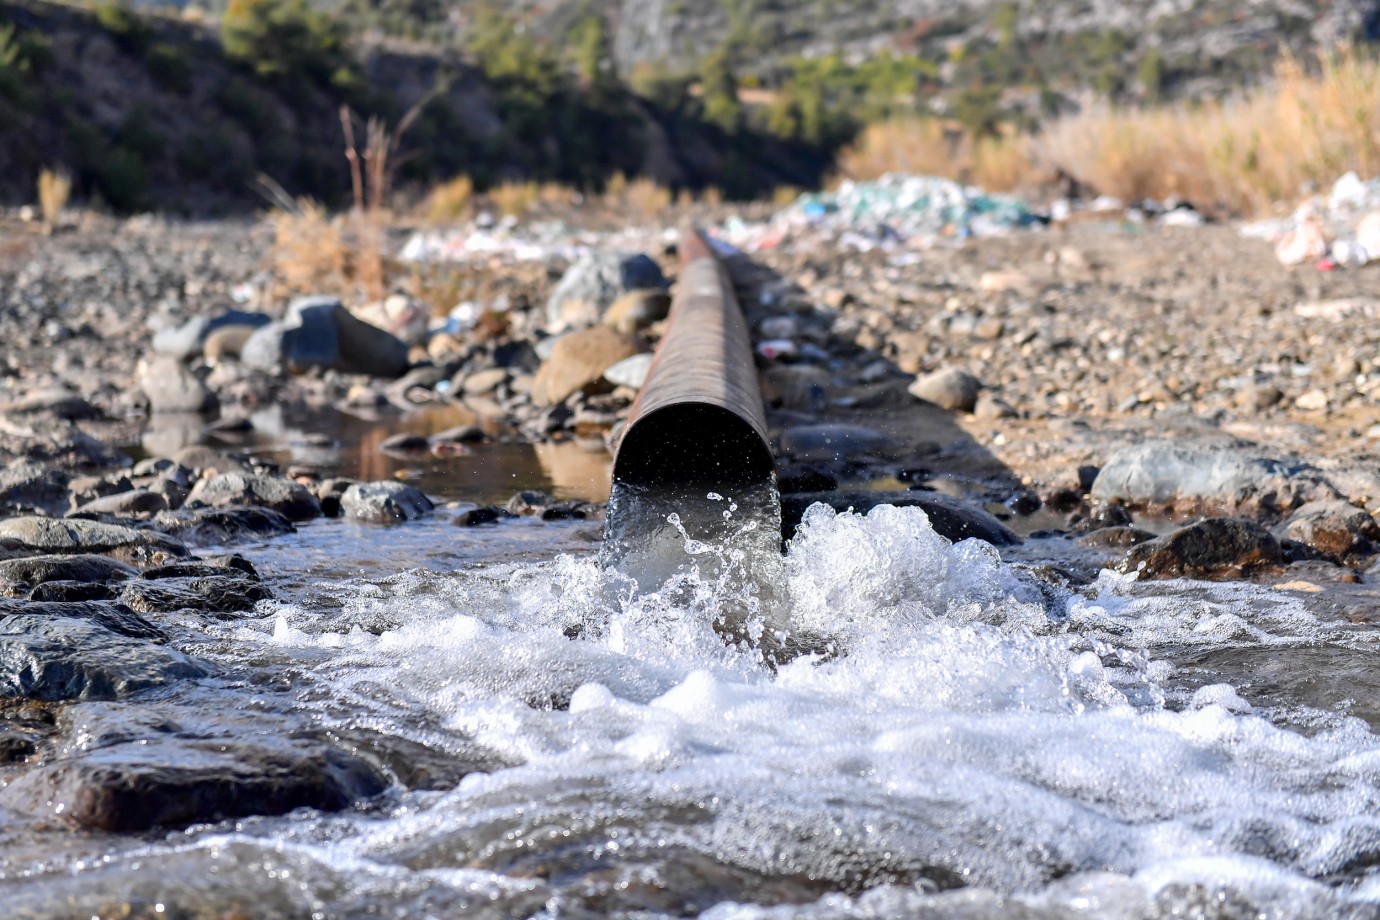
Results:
x,y
719,90
281,39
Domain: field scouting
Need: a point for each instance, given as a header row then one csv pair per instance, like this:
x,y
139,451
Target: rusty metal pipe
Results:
x,y
698,417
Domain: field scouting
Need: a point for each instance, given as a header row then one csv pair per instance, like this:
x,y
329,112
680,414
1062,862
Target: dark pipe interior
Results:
x,y
692,443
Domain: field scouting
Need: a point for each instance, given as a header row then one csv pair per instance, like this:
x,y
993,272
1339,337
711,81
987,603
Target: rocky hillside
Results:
x,y
149,111
1199,45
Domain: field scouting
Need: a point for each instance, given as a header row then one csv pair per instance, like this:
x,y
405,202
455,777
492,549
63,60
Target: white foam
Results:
x,y
952,727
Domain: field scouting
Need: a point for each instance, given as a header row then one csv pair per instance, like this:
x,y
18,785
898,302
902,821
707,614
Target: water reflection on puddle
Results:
x,y
344,444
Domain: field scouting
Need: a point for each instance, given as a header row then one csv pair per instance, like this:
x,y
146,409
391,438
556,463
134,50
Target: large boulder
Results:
x,y
1229,478
384,502
172,387
318,332
230,490
169,781
592,284
578,360
187,340
48,657
1215,547
219,526
34,536
1335,528
28,486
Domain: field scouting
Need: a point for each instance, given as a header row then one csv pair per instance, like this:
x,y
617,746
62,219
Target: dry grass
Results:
x,y
310,251
515,199
54,188
450,201
1241,156
640,197
933,147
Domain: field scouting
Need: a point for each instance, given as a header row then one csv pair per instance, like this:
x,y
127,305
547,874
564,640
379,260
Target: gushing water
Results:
x,y
950,741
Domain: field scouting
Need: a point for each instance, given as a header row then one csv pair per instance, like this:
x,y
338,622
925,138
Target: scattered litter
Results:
x,y
772,349
893,212
1339,230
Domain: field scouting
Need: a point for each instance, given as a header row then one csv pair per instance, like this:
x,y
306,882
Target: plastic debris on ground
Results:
x,y
892,213
1340,229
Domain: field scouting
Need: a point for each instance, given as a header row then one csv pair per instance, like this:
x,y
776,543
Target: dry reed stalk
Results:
x,y
54,188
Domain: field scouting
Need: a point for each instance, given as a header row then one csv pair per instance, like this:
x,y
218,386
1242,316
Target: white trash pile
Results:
x,y
893,212
1338,230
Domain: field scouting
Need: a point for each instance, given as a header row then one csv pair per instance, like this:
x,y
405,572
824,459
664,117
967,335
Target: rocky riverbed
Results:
x,y
217,499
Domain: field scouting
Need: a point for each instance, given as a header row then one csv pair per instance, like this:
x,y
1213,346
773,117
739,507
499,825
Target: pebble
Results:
x,y
950,388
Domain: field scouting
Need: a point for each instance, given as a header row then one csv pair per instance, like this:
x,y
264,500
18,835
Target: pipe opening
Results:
x,y
693,442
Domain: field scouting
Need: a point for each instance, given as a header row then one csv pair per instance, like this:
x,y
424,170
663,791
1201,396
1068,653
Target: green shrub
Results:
x,y
283,39
123,180
242,103
130,31
168,65
137,133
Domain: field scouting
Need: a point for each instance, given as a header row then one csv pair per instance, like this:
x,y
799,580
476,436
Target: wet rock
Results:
x,y
460,434
1115,538
290,499
418,766
318,332
172,492
950,388
201,459
214,594
329,492
66,658
800,478
233,565
1213,547
59,402
528,502
61,443
163,781
384,502
26,486
73,592
489,514
24,724
133,502
834,442
35,536
172,387
404,444
1335,528
212,526
1100,515
22,575
570,510
595,280
185,341
1162,472
951,518
578,360
118,618
636,310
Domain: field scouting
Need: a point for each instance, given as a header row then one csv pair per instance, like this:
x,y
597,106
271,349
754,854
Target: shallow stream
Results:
x,y
954,737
